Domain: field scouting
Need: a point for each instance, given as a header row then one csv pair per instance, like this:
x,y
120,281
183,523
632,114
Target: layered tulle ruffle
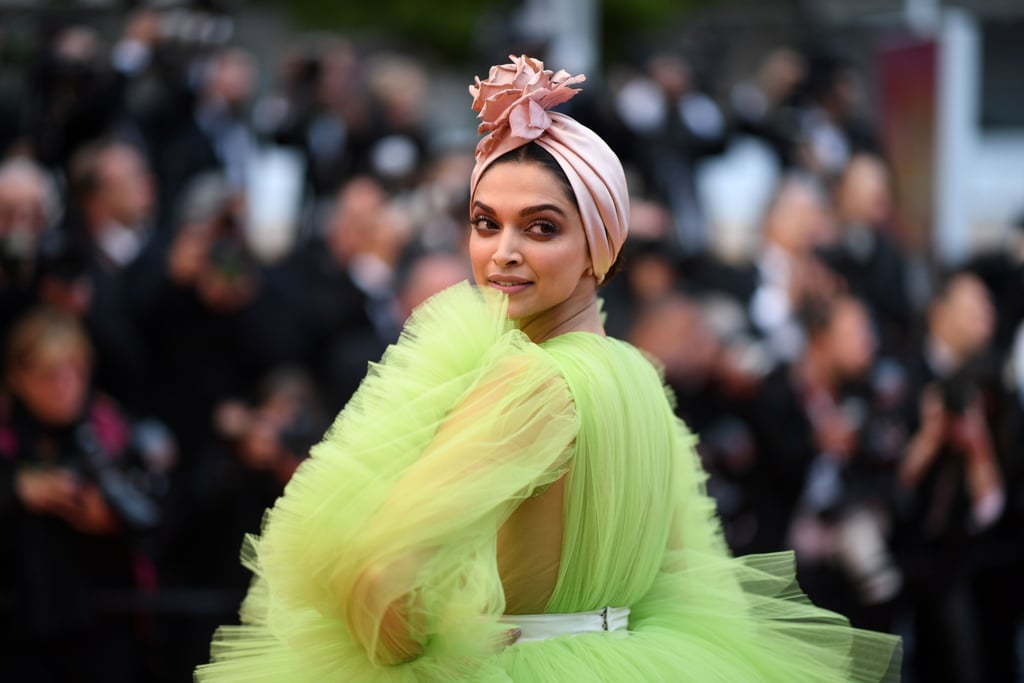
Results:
x,y
383,546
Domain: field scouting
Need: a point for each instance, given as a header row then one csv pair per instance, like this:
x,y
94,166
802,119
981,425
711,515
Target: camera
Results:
x,y
230,254
131,503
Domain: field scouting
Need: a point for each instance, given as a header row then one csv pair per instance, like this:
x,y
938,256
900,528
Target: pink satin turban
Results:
x,y
513,106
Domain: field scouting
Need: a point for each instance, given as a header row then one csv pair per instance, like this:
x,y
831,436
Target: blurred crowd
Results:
x,y
199,257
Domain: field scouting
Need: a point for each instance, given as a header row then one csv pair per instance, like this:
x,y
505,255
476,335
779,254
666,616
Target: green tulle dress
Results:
x,y
388,534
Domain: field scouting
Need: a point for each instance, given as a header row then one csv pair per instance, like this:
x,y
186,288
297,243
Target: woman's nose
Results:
x,y
507,251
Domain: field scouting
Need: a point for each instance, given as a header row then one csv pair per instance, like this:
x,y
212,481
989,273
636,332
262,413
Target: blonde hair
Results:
x,y
44,335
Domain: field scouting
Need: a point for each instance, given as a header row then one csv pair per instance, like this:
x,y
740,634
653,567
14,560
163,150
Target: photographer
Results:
x,y
209,324
817,423
209,252
260,440
111,220
952,482
80,496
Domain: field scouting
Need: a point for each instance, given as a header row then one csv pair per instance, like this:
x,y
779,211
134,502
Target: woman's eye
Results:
x,y
543,229
484,224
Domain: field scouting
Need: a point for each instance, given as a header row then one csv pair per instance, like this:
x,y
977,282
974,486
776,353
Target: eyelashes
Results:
x,y
538,229
543,229
483,224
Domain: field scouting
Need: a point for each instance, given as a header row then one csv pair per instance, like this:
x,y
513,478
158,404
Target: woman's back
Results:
x,y
595,537
618,504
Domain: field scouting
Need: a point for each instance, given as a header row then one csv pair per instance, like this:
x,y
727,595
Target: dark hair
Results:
x,y
84,173
817,312
531,151
946,278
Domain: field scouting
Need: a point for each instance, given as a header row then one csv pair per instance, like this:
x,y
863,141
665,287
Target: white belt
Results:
x,y
544,626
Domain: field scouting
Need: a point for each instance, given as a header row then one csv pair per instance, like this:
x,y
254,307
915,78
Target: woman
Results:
x,y
508,496
75,511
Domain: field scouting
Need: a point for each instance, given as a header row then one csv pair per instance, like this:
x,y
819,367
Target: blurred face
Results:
x,y
528,242
427,277
22,206
651,277
672,73
53,386
126,188
799,219
864,195
782,70
965,319
677,335
356,221
233,77
851,340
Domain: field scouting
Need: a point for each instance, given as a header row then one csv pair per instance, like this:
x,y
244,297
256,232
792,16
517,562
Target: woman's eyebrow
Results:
x,y
524,212
542,207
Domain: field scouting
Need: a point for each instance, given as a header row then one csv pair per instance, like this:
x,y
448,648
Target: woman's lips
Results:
x,y
508,284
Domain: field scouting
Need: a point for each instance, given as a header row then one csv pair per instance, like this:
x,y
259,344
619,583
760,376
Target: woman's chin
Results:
x,y
521,314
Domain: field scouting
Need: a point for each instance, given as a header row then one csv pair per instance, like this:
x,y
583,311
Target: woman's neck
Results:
x,y
578,313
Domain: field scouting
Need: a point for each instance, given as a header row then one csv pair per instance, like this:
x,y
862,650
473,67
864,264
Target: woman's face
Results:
x,y
528,242
54,389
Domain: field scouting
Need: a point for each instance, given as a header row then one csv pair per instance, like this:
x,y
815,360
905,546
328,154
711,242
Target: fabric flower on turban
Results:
x,y
519,95
514,105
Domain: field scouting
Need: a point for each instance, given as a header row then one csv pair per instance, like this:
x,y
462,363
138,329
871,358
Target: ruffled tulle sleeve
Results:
x,y
382,548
